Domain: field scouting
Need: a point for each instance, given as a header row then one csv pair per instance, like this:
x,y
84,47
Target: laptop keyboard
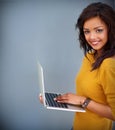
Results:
x,y
50,99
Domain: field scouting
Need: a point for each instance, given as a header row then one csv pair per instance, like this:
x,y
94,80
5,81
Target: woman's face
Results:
x,y
96,33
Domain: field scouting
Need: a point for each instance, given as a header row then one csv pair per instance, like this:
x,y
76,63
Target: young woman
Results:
x,y
95,82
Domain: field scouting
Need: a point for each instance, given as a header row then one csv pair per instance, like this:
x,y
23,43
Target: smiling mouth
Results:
x,y
94,43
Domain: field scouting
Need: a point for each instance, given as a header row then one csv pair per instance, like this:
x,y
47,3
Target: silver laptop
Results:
x,y
48,97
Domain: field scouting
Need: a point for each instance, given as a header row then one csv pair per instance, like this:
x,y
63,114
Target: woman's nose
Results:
x,y
92,36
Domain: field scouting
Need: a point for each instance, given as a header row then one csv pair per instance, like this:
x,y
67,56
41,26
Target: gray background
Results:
x,y
32,30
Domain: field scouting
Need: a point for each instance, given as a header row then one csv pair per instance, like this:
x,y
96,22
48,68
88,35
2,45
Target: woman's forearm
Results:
x,y
100,109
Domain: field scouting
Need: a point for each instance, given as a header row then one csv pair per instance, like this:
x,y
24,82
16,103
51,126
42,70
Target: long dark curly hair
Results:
x,y
107,14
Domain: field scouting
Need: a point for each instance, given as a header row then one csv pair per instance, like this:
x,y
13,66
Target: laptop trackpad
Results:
x,y
76,107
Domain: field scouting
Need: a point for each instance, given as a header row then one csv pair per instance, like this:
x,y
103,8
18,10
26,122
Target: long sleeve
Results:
x,y
107,80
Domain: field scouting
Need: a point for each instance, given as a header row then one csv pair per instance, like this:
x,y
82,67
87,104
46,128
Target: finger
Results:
x,y
41,98
40,95
62,97
58,98
63,101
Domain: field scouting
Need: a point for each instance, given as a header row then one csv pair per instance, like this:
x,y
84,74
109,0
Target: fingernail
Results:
x,y
40,95
54,99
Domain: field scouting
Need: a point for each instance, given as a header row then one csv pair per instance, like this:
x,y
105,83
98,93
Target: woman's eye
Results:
x,y
86,32
99,30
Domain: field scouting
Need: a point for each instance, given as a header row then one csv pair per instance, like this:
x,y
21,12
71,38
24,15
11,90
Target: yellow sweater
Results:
x,y
99,85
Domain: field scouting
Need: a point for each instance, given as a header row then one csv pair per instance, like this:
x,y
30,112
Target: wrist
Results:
x,y
86,102
82,100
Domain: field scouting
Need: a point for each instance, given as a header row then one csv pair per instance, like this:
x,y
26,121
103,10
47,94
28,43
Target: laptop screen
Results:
x,y
41,82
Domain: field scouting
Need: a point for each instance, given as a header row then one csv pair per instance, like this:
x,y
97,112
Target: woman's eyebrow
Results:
x,y
94,28
85,29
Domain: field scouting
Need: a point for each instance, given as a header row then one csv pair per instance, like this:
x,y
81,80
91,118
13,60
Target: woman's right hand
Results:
x,y
40,98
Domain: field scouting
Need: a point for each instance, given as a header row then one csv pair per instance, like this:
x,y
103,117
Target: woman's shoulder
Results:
x,y
109,62
89,57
